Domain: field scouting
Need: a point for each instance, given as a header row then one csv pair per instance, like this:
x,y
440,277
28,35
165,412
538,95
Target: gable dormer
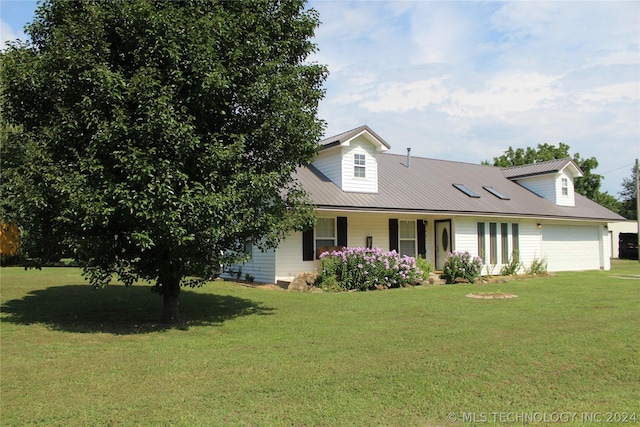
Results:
x,y
552,180
350,159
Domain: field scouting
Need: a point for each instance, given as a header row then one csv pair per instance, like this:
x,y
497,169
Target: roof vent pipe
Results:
x,y
408,157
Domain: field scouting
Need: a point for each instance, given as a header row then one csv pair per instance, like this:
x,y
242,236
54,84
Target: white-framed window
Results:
x,y
359,166
407,238
506,239
325,234
565,187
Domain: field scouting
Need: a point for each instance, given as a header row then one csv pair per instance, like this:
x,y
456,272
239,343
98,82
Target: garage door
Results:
x,y
571,247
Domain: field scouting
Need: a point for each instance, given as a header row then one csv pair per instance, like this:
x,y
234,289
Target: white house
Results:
x,y
368,197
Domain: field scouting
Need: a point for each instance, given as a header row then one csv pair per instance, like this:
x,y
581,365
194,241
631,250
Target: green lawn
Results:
x,y
72,356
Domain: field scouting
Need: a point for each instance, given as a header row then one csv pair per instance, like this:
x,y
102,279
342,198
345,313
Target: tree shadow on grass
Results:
x,y
121,310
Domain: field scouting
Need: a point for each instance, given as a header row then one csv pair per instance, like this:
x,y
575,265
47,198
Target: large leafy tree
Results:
x,y
153,139
588,185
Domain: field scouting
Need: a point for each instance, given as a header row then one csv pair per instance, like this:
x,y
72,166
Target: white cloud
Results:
x,y
604,95
506,93
7,34
403,97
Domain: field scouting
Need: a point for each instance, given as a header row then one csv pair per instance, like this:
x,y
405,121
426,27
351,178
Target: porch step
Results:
x,y
435,278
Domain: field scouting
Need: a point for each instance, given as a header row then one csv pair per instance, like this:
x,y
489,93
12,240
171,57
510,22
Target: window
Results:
x,y
359,166
482,242
407,238
325,235
504,242
515,238
493,243
248,249
496,193
565,187
469,192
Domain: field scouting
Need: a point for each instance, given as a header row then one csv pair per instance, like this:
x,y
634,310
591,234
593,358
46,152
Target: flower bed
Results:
x,y
461,265
364,269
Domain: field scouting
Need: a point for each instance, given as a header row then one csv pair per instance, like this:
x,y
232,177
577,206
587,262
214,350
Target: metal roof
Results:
x,y
427,187
345,136
540,168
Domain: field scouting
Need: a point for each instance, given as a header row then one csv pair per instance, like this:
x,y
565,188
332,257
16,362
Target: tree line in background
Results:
x,y
588,185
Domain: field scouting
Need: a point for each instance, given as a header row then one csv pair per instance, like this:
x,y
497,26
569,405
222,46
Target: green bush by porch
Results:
x,y
366,269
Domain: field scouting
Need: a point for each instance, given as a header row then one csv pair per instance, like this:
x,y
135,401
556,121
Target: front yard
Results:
x,y
72,356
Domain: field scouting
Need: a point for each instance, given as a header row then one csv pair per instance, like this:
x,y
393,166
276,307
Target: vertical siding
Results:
x,y
369,184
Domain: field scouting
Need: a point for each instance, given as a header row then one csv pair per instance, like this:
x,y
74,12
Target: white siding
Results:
x,y
368,184
329,162
289,259
465,235
359,226
550,187
530,243
569,199
466,240
544,186
261,266
572,247
605,248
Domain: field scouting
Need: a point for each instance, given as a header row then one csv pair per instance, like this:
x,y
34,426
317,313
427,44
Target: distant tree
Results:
x,y
588,185
155,138
629,196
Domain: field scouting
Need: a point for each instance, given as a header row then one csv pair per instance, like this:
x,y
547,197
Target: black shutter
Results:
x,y
422,243
341,223
393,234
307,245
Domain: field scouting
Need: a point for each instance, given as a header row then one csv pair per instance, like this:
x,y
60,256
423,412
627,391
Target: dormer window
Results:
x,y
565,187
359,166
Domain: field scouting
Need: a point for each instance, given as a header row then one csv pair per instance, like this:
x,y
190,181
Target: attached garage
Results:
x,y
571,247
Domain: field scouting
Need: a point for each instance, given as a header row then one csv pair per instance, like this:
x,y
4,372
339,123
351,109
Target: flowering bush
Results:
x,y
363,269
463,265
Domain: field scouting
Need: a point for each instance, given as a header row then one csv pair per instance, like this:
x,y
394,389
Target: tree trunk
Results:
x,y
171,297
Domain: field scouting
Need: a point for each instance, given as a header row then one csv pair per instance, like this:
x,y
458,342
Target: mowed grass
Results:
x,y
74,356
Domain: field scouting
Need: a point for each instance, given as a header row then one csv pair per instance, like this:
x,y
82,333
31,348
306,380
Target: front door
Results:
x,y
443,242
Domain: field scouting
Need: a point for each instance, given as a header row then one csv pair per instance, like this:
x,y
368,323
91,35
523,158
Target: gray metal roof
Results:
x,y
427,187
540,168
345,136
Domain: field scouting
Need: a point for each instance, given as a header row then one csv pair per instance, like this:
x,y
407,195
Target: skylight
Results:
x,y
496,193
467,191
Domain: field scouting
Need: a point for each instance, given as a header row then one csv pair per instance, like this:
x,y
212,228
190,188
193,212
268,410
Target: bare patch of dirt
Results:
x,y
491,295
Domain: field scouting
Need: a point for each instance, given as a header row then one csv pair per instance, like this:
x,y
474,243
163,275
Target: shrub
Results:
x,y
363,269
462,265
513,266
425,266
538,266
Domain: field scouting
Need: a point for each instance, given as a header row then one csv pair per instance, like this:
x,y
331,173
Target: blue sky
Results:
x,y
465,80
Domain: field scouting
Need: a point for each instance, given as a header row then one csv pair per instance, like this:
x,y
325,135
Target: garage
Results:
x,y
571,247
